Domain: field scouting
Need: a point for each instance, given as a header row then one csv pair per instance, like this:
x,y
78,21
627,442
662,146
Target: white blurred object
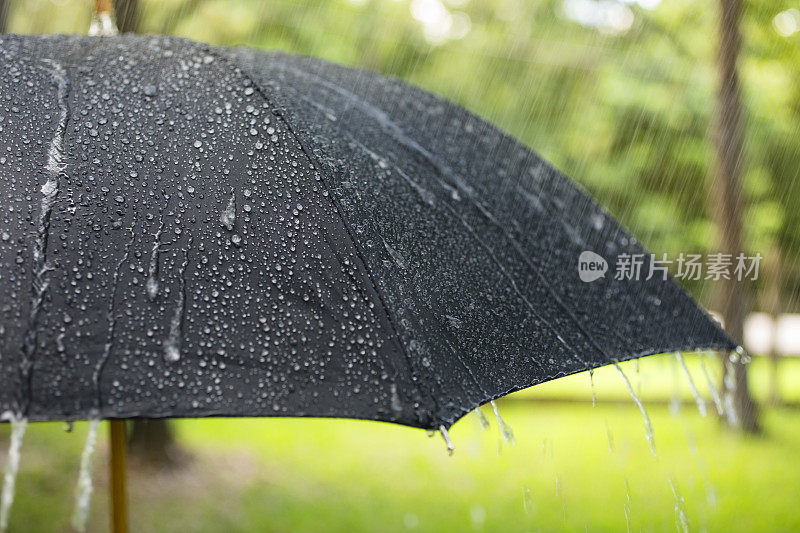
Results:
x,y
102,25
787,22
762,333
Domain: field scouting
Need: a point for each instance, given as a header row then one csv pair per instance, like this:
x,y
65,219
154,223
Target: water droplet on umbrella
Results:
x,y
228,215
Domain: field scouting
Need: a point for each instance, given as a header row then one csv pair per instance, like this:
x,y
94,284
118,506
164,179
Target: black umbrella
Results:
x,y
193,231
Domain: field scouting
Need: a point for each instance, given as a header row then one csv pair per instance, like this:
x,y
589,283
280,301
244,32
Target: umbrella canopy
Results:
x,y
194,231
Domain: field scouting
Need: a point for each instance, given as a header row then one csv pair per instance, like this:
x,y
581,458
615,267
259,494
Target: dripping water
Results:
x,y
626,507
18,426
55,157
712,389
482,418
228,215
152,270
83,490
701,403
648,426
681,521
675,401
111,318
527,500
609,437
505,429
448,443
594,392
172,346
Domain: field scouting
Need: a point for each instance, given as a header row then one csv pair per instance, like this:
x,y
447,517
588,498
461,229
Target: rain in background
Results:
x,y
622,97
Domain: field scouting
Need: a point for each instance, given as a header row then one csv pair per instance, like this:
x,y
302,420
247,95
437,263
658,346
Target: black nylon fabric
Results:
x,y
197,231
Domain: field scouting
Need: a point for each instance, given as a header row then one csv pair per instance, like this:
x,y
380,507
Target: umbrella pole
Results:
x,y
103,6
119,504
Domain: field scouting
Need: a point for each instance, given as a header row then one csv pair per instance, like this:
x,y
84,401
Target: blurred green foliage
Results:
x,y
625,109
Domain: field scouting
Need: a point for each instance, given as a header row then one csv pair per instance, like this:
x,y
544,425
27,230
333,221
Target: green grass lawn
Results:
x,y
568,471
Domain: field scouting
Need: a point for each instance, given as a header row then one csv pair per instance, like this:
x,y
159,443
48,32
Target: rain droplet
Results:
x,y
228,216
448,443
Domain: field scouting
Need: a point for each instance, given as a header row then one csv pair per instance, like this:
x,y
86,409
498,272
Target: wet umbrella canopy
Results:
x,y
193,231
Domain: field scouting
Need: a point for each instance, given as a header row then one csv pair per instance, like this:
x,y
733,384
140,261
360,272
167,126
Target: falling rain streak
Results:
x,y
484,422
681,520
701,403
83,489
447,442
712,389
18,425
648,426
505,429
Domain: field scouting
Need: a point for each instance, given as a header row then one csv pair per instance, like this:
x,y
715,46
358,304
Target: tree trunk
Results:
x,y
732,294
127,14
5,8
152,443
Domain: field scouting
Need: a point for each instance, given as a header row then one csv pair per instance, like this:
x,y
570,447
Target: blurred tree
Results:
x,y
731,294
152,443
5,7
127,15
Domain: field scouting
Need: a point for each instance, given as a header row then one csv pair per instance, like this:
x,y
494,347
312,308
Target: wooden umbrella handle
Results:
x,y
119,502
103,6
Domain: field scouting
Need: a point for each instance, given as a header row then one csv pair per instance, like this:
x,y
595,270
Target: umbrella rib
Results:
x,y
417,188
461,185
445,171
340,213
513,283
426,196
430,158
398,133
